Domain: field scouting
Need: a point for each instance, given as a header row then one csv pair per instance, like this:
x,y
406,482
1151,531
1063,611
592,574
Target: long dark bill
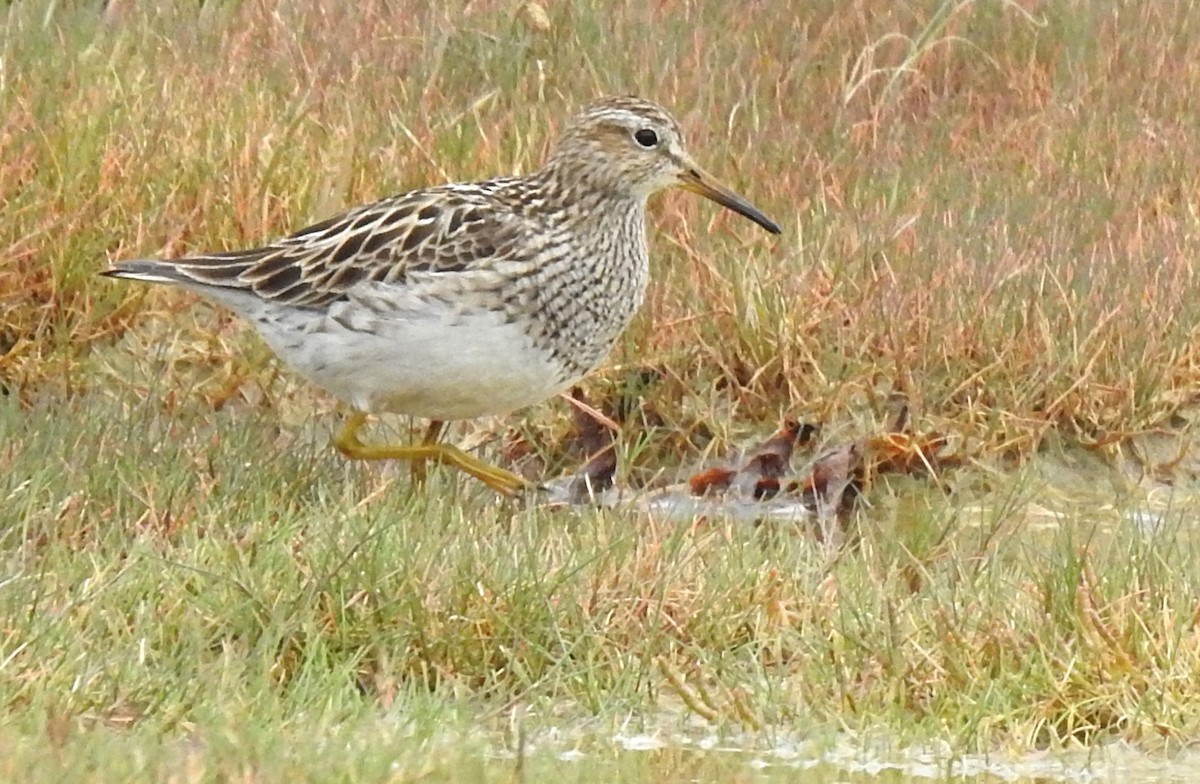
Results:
x,y
699,181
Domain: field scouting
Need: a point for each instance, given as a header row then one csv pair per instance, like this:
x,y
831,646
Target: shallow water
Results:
x,y
677,758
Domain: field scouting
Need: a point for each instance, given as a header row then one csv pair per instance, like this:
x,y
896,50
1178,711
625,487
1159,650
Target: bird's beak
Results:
x,y
696,180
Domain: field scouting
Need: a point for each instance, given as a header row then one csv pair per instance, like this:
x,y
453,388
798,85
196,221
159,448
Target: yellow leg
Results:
x,y
417,465
349,444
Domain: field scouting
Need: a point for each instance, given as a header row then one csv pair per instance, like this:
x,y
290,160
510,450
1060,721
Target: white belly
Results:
x,y
432,363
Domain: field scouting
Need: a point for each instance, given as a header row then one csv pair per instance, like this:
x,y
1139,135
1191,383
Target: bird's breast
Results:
x,y
579,304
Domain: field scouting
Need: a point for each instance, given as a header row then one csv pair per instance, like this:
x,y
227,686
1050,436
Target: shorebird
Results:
x,y
467,299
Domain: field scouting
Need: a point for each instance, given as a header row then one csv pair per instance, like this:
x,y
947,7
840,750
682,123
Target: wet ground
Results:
x,y
683,757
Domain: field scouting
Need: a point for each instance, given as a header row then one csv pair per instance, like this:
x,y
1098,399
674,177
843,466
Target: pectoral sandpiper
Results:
x,y
462,300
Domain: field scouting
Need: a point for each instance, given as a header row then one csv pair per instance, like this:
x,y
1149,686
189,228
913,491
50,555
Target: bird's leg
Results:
x,y
349,444
417,466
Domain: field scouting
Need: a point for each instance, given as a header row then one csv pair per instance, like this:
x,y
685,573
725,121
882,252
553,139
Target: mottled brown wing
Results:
x,y
447,230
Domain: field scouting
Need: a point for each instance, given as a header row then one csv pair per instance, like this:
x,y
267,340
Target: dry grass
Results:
x,y
989,207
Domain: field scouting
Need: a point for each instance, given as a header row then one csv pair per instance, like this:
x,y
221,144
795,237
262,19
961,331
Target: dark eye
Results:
x,y
646,137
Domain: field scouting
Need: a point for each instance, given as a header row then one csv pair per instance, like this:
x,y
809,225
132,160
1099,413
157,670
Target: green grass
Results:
x,y
169,578
991,212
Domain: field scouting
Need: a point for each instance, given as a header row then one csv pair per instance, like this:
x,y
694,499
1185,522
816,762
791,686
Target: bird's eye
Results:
x,y
646,137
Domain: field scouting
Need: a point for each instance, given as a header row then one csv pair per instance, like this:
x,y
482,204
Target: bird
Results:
x,y
463,300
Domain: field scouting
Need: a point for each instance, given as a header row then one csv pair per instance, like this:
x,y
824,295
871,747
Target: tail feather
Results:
x,y
234,294
216,270
276,272
149,271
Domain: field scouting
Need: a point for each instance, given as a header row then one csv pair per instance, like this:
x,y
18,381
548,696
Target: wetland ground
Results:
x,y
990,210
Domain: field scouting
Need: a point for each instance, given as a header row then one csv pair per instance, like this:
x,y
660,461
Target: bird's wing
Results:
x,y
446,230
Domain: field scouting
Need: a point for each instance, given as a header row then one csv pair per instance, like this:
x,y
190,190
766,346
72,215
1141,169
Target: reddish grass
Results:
x,y
990,208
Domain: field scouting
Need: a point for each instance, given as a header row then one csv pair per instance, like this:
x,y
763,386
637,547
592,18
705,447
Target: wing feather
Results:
x,y
438,230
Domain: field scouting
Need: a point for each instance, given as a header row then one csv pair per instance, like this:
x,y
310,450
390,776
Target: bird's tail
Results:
x,y
149,271
222,270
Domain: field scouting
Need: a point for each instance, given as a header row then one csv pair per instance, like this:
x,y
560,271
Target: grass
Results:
x,y
990,208
195,593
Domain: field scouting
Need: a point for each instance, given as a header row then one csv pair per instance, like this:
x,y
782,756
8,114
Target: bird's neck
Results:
x,y
592,200
604,235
